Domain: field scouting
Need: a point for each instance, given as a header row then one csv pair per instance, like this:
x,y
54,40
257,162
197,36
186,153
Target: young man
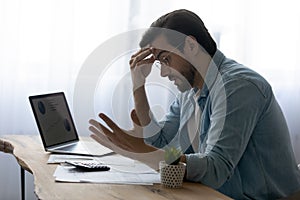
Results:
x,y
225,118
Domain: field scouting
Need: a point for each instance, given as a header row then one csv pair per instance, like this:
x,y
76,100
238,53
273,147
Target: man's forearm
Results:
x,y
141,105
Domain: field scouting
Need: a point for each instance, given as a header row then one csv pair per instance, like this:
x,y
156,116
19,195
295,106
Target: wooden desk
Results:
x,y
31,156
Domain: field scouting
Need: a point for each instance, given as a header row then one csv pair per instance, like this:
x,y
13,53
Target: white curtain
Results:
x,y
44,44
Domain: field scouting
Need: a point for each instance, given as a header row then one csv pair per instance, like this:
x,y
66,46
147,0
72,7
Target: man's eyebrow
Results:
x,y
159,54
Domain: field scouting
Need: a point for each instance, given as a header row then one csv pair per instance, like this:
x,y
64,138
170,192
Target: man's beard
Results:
x,y
188,80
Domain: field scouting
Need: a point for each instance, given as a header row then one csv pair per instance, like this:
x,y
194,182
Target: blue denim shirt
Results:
x,y
245,150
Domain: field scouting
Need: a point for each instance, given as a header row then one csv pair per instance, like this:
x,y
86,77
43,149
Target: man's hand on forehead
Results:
x,y
154,52
143,56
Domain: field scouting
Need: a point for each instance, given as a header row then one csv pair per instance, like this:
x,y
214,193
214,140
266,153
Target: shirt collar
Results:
x,y
212,73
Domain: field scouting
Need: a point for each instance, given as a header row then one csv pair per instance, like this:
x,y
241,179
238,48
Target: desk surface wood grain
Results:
x,y
30,155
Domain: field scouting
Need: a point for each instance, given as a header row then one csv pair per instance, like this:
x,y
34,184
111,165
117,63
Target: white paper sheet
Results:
x,y
70,174
123,171
61,158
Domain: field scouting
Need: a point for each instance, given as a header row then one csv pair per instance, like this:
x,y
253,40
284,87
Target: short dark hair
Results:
x,y
185,22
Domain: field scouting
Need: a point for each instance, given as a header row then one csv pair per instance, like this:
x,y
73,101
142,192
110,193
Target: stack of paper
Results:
x,y
123,171
61,158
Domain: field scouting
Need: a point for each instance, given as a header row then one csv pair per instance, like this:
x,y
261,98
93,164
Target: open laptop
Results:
x,y
57,128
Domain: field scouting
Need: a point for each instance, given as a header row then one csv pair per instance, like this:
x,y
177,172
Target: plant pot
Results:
x,y
171,176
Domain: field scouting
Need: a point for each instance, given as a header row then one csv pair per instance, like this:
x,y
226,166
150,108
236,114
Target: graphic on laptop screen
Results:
x,y
54,119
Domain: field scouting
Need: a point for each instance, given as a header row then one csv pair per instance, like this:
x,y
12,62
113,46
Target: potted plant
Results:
x,y
171,169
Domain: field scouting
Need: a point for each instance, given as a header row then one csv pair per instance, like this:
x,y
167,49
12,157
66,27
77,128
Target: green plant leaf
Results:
x,y
172,155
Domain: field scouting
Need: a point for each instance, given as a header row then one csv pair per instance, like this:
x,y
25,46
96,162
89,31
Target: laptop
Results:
x,y
57,128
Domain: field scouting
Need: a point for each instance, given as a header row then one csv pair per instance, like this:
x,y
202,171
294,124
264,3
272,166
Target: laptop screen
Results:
x,y
53,118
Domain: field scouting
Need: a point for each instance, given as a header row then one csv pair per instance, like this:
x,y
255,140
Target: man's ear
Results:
x,y
191,46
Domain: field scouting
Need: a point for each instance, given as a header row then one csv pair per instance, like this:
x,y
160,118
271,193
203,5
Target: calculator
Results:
x,y
89,165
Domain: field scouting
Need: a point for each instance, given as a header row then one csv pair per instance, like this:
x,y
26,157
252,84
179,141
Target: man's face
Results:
x,y
173,64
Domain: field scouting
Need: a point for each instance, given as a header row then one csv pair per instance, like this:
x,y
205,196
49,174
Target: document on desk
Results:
x,y
123,171
61,158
